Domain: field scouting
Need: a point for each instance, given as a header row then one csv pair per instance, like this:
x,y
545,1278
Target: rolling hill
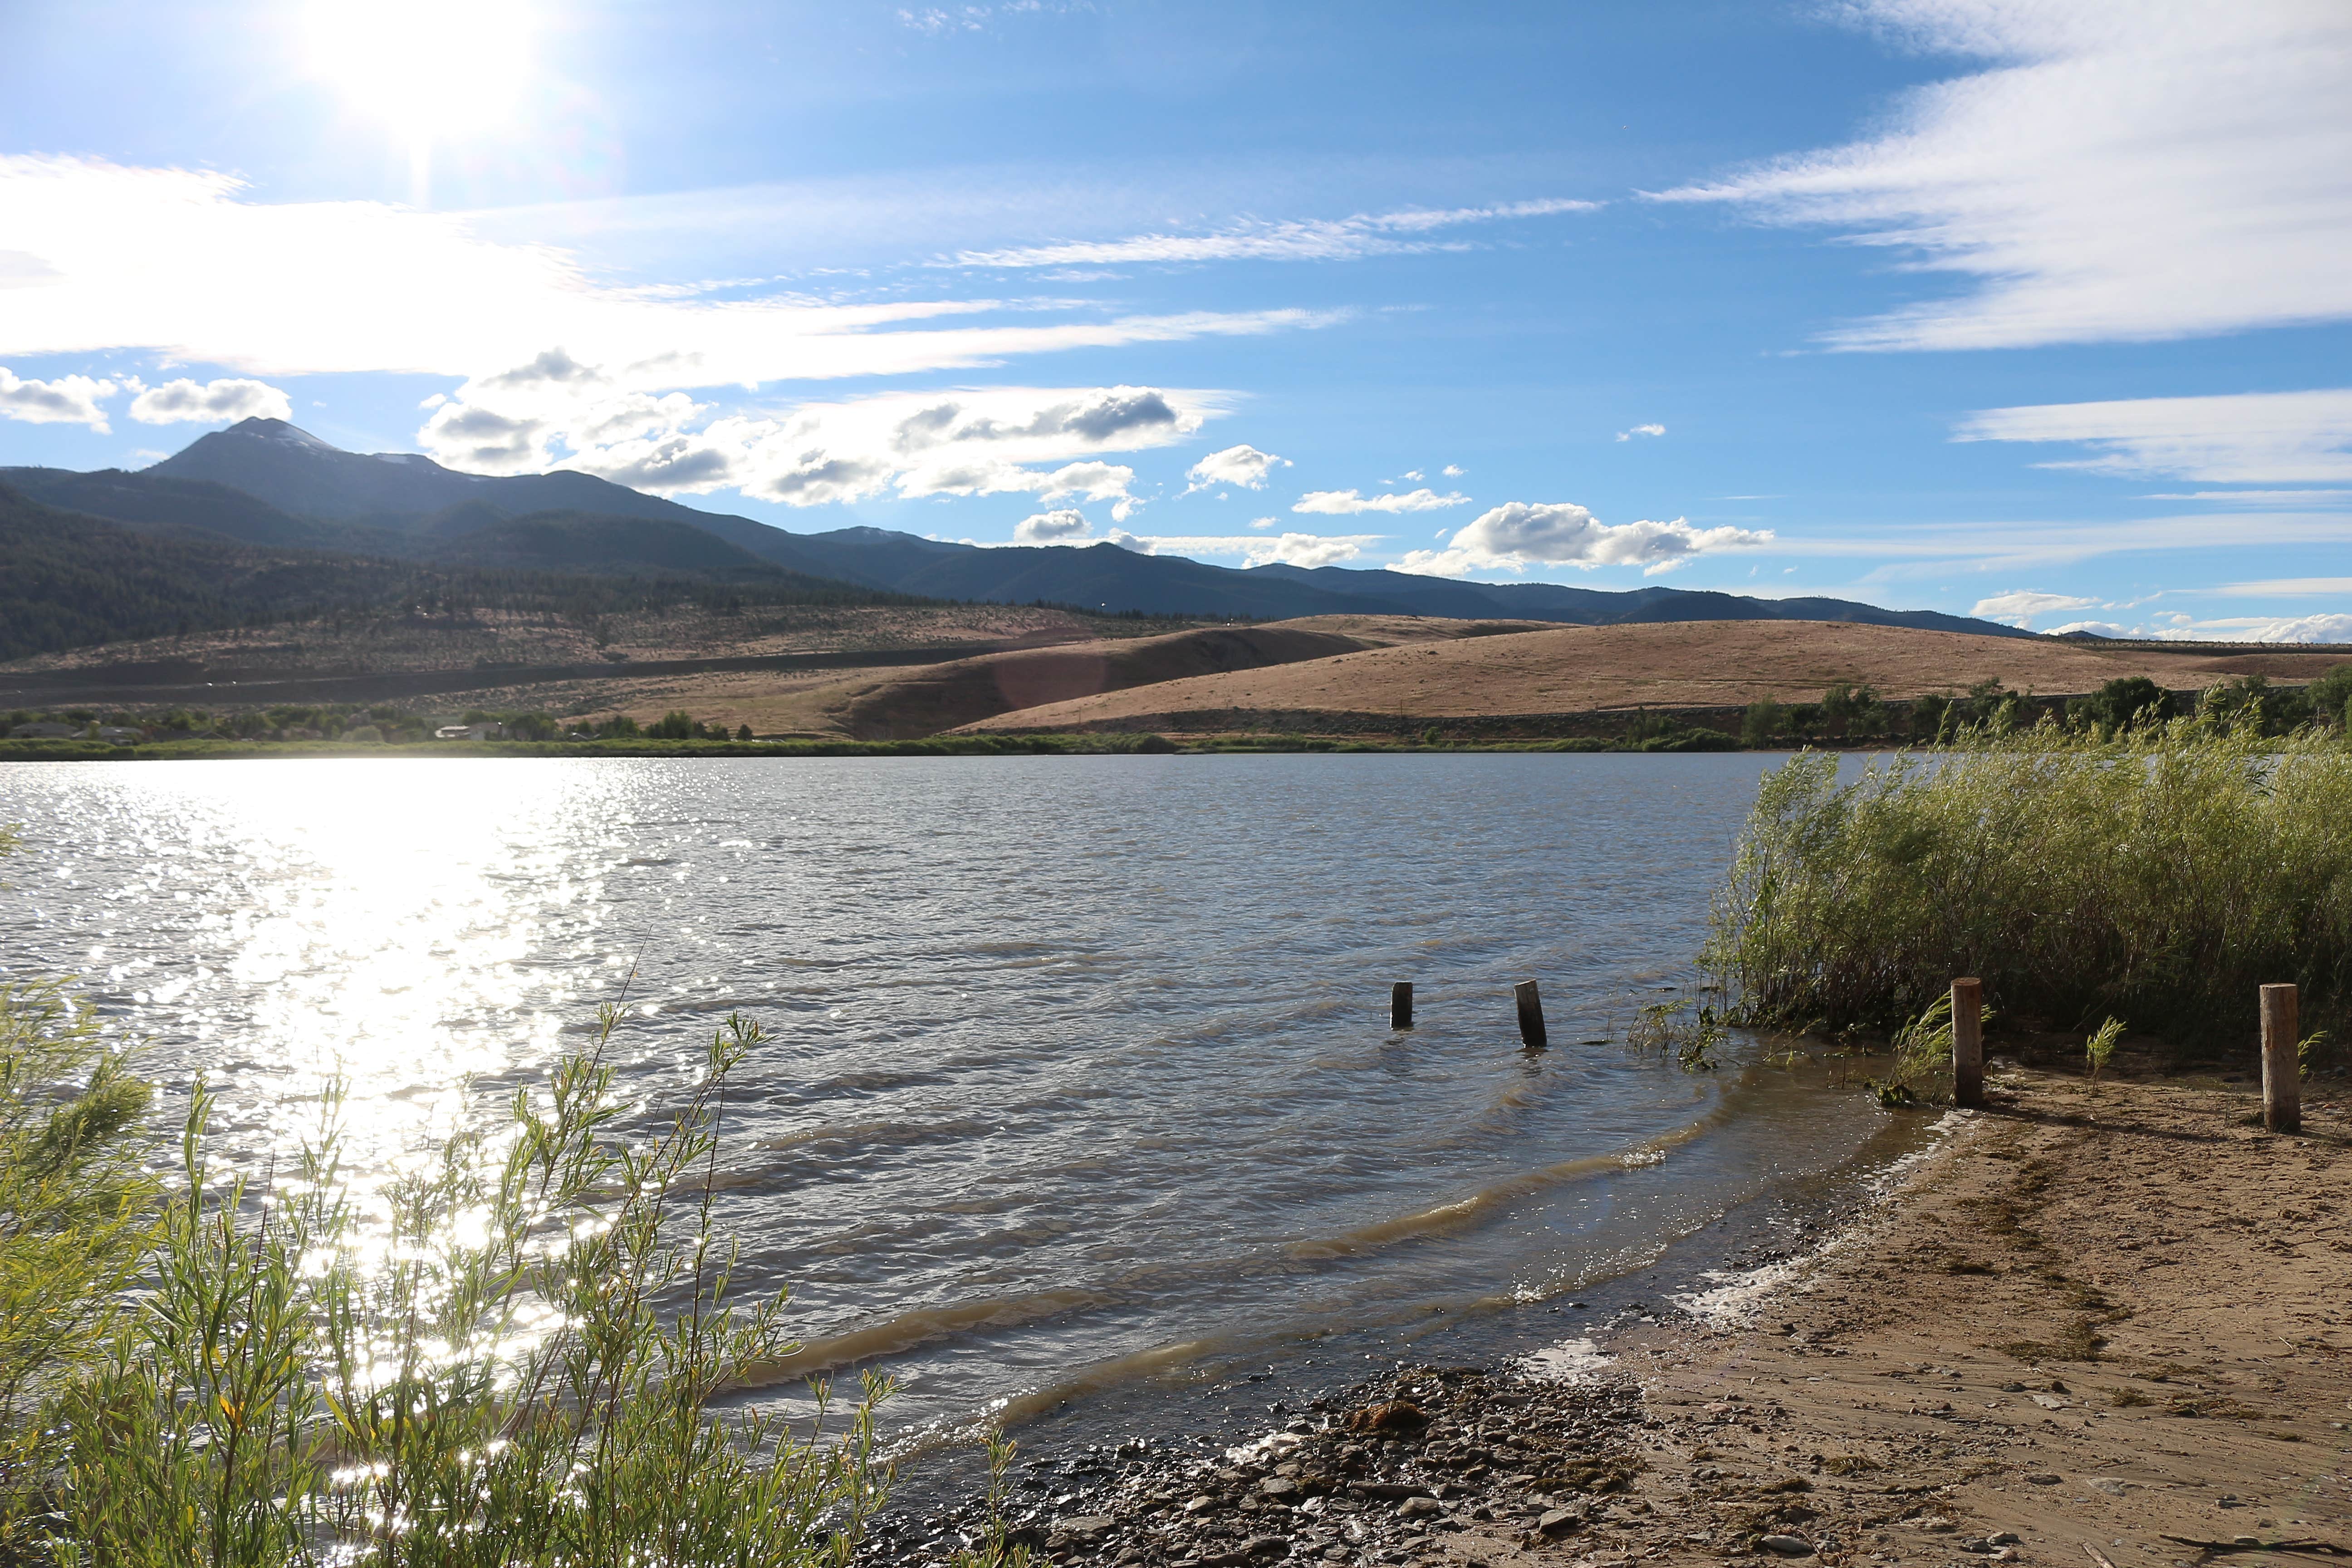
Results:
x,y
1557,671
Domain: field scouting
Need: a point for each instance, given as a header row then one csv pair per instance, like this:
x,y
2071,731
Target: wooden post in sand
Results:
x,y
1968,1042
1531,1024
2282,1071
1401,1005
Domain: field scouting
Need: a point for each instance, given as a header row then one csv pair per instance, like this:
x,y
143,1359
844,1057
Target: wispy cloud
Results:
x,y
1343,503
2021,606
1297,240
186,263
2258,498
2246,438
1925,550
2290,587
2119,172
1641,430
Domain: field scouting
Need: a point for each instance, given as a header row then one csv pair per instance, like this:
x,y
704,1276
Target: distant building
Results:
x,y
120,734
47,730
470,732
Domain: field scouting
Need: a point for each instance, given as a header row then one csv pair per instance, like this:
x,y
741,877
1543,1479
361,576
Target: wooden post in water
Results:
x,y
1531,1024
1401,1005
2282,1071
1968,1042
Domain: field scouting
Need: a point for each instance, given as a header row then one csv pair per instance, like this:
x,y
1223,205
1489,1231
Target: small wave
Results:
x,y
1464,1212
909,1329
859,1136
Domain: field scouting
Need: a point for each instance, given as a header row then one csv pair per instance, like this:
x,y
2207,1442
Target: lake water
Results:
x,y
1081,1068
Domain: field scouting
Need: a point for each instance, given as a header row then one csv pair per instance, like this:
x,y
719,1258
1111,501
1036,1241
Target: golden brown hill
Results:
x,y
1584,669
903,703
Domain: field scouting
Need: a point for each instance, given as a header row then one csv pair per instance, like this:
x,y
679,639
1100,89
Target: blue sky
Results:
x,y
2032,309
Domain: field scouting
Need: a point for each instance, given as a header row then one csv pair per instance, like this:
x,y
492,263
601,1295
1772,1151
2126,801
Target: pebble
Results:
x,y
1787,1545
1371,1475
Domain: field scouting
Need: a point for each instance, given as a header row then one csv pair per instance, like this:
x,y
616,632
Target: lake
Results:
x,y
1080,1068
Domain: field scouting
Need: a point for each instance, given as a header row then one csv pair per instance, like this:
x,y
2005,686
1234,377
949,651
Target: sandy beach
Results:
x,y
2097,1323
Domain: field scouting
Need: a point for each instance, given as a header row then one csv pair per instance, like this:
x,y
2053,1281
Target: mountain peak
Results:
x,y
260,429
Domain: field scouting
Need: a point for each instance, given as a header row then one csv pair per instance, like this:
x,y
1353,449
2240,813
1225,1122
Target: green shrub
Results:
x,y
2162,878
76,1215
509,1359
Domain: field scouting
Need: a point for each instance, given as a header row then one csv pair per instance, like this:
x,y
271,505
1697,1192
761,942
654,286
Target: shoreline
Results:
x,y
2100,1322
1002,743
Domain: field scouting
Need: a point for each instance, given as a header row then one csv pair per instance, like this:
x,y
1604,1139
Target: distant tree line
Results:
x,y
1855,712
357,724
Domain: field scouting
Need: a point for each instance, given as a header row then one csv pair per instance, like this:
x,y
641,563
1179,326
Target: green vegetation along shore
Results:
x,y
2157,877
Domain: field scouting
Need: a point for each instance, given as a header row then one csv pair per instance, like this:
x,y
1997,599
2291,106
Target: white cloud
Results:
x,y
2021,606
179,402
2244,438
1342,503
181,262
1263,521
2323,628
1244,467
1298,239
1922,549
1518,534
67,400
2260,498
1037,441
1641,430
1255,550
2118,170
1051,527
2304,628
1451,472
2097,628
2291,587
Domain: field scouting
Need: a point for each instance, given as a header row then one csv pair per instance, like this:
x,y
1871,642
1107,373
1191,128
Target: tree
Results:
x,y
2330,695
1761,725
1853,710
2124,702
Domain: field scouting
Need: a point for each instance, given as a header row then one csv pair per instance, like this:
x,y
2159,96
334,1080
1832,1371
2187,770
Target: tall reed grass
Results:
x,y
512,1359
2162,876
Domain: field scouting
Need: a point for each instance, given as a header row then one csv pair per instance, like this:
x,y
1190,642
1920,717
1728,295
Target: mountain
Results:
x,y
74,580
602,543
1601,606
145,499
266,482
294,471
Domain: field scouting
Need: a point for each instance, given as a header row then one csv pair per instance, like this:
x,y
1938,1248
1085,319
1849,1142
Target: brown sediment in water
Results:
x,y
2103,1323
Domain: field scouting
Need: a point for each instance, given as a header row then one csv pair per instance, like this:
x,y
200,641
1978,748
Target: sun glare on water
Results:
x,y
431,69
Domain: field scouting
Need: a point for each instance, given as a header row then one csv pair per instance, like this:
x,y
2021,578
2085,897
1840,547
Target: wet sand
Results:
x,y
2101,1324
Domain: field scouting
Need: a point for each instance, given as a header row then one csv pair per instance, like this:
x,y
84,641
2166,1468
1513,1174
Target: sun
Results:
x,y
431,69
